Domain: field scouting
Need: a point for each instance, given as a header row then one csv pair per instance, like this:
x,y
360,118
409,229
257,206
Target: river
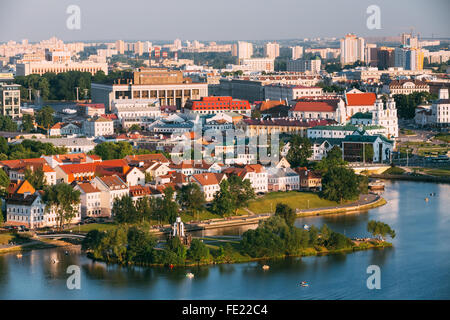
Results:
x,y
417,267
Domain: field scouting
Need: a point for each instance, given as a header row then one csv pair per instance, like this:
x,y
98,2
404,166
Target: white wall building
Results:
x,y
98,126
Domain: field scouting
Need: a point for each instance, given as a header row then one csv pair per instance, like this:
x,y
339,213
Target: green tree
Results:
x,y
63,200
36,179
27,122
45,117
191,198
222,203
198,251
339,184
299,151
134,127
380,229
4,182
140,247
113,150
124,210
7,124
368,152
167,208
286,212
241,192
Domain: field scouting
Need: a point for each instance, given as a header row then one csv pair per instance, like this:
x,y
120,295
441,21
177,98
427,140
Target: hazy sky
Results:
x,y
218,20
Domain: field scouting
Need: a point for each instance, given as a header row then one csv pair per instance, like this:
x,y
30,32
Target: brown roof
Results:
x,y
208,178
265,105
316,106
158,157
88,187
113,182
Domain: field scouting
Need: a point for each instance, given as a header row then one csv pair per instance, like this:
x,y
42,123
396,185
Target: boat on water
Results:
x,y
306,227
376,185
189,275
265,267
69,111
19,255
304,284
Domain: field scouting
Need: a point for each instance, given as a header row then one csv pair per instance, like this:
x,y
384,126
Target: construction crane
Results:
x,y
48,128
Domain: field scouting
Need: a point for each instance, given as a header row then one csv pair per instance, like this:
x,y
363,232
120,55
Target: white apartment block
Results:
x,y
259,64
297,52
90,200
440,109
352,49
244,50
271,50
98,126
112,188
29,210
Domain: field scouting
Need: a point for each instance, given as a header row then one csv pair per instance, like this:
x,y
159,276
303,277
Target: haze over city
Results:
x,y
219,21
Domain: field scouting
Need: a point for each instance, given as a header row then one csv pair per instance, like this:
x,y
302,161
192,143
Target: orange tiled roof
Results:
x,y
208,178
361,99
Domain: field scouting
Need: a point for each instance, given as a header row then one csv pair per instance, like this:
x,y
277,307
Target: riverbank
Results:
x,y
35,245
423,178
236,257
372,201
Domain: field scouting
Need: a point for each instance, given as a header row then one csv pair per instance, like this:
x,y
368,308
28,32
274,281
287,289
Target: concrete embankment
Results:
x,y
376,201
424,178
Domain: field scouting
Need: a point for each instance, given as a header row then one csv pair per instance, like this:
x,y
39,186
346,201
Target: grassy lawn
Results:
x,y
441,172
295,199
85,228
5,238
204,215
443,137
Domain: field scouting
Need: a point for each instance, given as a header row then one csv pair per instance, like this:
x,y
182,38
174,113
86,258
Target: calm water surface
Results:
x,y
417,267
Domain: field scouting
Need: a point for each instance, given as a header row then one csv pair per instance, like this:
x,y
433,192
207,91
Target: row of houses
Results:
x,y
100,183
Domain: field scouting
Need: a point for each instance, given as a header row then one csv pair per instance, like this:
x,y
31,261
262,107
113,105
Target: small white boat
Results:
x,y
265,267
19,255
69,111
189,275
304,284
306,227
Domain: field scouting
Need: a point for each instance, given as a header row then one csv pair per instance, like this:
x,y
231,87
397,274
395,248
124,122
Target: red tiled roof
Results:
x,y
316,106
361,99
88,187
208,178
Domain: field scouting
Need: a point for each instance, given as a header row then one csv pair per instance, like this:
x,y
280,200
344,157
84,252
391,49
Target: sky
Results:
x,y
223,20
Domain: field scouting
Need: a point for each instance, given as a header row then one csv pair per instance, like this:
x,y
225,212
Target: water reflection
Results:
x,y
417,267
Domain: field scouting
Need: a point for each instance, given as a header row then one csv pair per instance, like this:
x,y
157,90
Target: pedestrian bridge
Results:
x,y
372,168
61,235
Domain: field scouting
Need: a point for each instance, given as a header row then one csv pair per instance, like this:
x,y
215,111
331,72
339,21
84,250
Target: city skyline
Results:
x,y
243,21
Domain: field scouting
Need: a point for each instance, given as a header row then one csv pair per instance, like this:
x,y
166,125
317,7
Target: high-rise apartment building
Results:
x,y
271,50
10,100
297,52
138,48
120,46
352,49
244,50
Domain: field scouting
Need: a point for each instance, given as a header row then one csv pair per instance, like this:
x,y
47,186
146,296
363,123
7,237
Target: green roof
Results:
x,y
332,141
365,138
361,115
